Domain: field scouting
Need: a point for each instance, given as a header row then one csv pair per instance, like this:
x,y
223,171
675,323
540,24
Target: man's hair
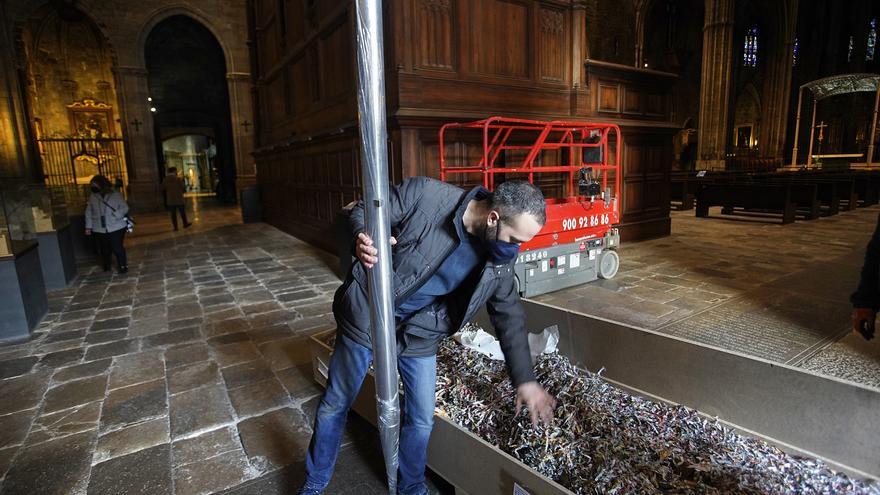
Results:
x,y
172,170
515,197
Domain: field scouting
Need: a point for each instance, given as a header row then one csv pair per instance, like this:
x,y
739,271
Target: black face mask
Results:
x,y
500,251
96,189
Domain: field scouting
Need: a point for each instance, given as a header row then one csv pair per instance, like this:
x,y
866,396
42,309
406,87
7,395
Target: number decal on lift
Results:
x,y
585,221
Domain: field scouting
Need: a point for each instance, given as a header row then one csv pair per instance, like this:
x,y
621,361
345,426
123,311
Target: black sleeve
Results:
x,y
402,199
509,321
868,293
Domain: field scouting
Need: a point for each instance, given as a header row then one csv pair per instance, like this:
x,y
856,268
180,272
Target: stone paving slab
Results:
x,y
145,472
57,467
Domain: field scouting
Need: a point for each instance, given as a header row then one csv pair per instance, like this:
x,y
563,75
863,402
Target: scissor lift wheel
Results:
x,y
609,262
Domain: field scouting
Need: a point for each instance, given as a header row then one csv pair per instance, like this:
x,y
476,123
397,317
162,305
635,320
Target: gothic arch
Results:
x,y
169,11
40,14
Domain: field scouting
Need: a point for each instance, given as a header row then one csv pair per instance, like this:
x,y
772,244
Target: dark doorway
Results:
x,y
187,78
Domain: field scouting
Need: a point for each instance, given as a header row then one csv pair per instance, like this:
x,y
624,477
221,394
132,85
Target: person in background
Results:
x,y
105,218
174,197
866,299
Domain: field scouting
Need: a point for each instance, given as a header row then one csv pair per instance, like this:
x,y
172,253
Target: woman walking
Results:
x,y
105,218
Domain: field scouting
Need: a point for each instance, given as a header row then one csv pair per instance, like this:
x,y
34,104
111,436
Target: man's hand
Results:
x,y
863,322
539,402
366,253
88,231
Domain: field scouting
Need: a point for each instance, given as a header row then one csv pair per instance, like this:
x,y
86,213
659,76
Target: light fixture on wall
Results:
x,y
153,109
149,98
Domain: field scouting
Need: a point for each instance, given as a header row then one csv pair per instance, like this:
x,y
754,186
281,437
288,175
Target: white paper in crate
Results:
x,y
484,343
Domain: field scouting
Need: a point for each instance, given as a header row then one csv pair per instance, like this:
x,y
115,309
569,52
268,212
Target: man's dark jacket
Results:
x,y
868,293
425,214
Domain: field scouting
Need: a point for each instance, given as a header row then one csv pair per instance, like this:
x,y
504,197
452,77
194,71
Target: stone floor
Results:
x,y
778,292
190,374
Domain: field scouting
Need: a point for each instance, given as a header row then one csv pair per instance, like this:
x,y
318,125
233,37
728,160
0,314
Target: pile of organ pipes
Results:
x,y
605,440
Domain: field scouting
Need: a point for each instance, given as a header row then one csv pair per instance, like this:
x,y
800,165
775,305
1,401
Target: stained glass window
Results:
x,y
750,47
794,52
849,50
872,39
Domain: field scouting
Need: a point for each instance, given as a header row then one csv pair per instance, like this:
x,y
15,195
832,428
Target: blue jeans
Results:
x,y
348,367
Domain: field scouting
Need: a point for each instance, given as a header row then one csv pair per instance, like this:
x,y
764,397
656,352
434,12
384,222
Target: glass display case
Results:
x,y
49,208
74,196
17,226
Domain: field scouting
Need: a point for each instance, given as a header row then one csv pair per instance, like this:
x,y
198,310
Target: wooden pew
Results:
x,y
771,197
829,191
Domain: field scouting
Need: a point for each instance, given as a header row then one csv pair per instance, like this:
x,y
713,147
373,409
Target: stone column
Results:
x,y
715,84
242,115
777,87
16,159
132,90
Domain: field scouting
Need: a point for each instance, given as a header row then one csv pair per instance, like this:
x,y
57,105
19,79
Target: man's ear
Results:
x,y
493,218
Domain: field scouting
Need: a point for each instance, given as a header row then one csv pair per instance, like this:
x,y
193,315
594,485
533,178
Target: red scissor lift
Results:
x,y
578,160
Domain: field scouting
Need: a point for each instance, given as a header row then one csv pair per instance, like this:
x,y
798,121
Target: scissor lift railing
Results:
x,y
581,219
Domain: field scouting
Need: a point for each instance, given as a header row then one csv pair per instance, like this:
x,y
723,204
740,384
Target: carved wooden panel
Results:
x,y
295,14
499,37
632,198
313,70
553,45
632,101
609,98
647,161
276,98
267,46
304,186
337,62
263,10
655,104
434,34
302,84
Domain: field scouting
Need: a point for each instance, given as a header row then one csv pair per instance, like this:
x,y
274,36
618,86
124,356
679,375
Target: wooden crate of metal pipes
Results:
x,y
798,411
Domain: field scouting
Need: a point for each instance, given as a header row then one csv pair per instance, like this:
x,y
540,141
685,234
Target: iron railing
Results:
x,y
70,163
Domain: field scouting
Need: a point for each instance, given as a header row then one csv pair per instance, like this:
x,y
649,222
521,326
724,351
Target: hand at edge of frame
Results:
x,y
863,322
539,403
366,253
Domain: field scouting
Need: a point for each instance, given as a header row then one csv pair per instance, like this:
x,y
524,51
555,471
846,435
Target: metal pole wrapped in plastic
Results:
x,y
374,160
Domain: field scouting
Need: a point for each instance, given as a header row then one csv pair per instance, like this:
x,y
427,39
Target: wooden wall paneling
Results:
x,y
500,38
276,96
410,159
608,98
296,22
632,199
552,45
656,104
327,7
472,99
300,85
632,101
338,76
434,34
263,9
